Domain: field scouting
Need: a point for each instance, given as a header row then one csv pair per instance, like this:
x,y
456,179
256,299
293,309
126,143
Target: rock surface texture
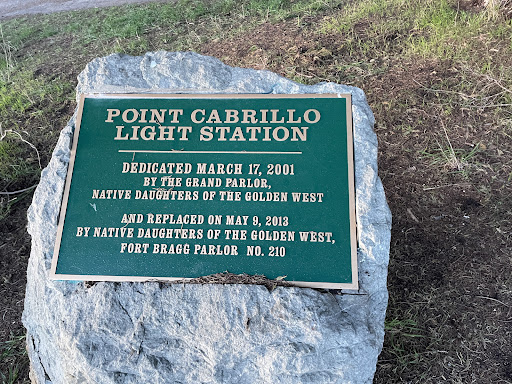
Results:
x,y
183,333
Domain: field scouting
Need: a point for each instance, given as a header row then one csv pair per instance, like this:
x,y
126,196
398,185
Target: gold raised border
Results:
x,y
306,284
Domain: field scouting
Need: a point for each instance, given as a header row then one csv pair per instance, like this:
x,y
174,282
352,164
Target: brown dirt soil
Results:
x,y
14,253
450,273
15,246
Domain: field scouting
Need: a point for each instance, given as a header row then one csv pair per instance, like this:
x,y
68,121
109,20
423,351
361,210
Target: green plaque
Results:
x,y
167,187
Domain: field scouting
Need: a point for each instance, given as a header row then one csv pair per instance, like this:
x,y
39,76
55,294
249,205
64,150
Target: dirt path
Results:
x,y
14,8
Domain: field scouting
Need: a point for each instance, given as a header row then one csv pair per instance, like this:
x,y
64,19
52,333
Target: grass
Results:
x,y
398,330
432,29
15,164
19,167
13,351
6,60
459,160
437,74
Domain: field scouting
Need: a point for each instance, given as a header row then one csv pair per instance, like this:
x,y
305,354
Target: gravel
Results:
x,y
15,8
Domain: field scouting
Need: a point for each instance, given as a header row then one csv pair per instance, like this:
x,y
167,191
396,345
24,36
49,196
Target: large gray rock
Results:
x,y
183,333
